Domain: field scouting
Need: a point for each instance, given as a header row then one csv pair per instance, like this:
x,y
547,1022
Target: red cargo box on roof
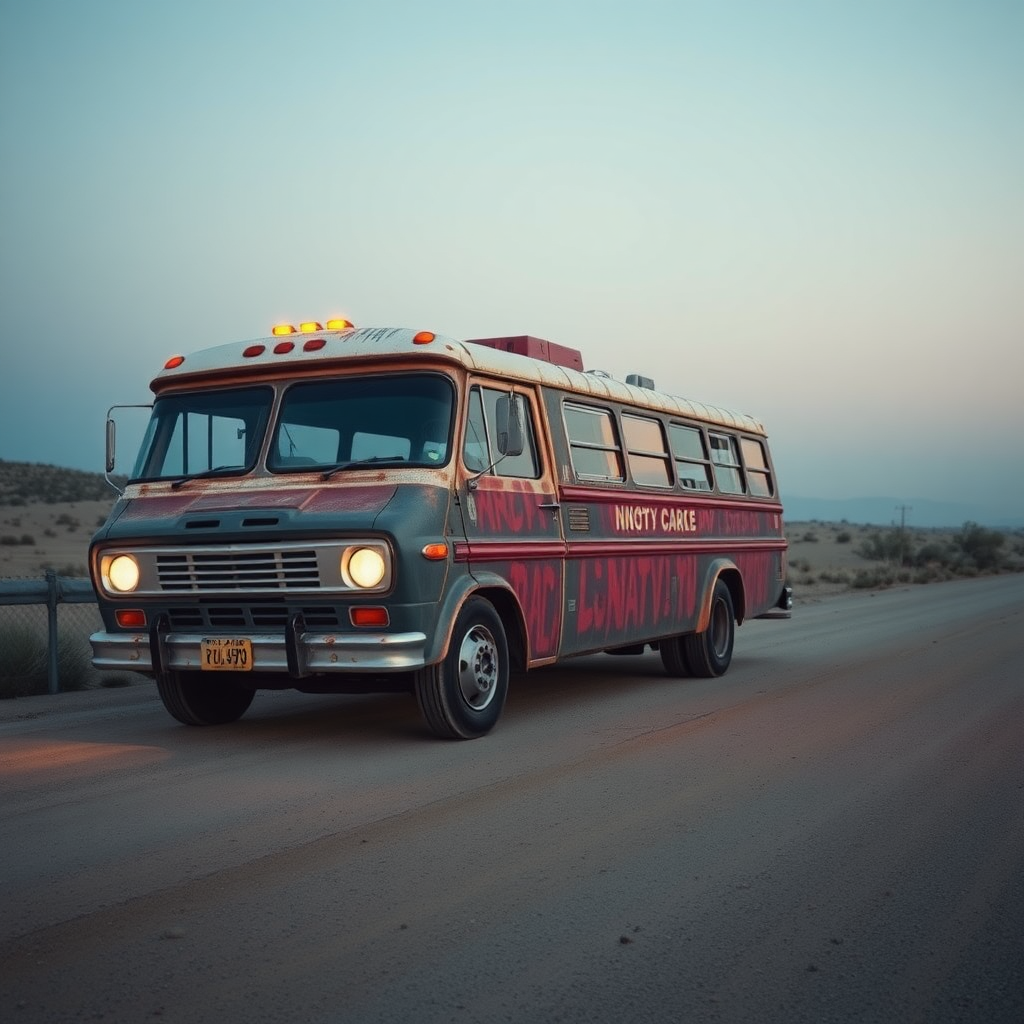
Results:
x,y
536,348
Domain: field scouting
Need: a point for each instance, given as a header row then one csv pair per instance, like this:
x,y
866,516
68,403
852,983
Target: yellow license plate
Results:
x,y
225,654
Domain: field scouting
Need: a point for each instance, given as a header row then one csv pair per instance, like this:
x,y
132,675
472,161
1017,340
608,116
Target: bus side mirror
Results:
x,y
509,425
111,435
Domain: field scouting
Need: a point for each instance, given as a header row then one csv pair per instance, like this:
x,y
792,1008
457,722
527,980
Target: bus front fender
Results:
x,y
460,592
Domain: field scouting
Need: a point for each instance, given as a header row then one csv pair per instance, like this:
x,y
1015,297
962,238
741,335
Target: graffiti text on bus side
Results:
x,y
648,518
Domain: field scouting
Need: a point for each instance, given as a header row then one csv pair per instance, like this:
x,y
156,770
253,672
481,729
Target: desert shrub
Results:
x,y
934,554
835,577
24,668
844,537
982,546
932,572
807,580
8,541
892,546
28,540
74,662
868,579
49,532
810,537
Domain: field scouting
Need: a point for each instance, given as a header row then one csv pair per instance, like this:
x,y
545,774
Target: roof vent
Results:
x,y
641,382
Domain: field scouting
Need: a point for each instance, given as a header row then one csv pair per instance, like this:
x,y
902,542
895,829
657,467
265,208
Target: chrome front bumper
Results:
x,y
312,653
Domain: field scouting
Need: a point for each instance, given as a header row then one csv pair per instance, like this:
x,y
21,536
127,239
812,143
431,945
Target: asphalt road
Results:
x,y
834,831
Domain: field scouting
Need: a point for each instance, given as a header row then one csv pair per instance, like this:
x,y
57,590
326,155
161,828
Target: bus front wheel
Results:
x,y
709,653
462,696
193,699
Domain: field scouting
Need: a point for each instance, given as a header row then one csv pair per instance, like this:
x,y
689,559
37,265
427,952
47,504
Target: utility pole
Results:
x,y
903,510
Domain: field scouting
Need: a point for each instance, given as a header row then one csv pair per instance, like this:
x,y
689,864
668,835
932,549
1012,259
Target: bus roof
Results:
x,y
316,351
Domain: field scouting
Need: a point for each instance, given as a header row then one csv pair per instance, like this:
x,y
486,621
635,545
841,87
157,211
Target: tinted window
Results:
x,y
203,432
593,445
646,451
692,464
406,417
726,460
759,478
480,450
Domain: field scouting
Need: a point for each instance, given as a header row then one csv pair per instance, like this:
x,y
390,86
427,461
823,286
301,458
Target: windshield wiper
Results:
x,y
328,473
216,471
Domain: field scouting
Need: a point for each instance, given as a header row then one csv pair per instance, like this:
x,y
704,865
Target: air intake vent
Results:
x,y
579,519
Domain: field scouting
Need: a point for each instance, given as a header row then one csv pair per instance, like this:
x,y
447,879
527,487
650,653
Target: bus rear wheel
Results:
x,y
673,657
709,653
194,699
462,696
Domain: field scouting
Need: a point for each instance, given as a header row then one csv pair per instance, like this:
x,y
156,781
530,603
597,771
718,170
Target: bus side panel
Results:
x,y
636,562
512,534
618,600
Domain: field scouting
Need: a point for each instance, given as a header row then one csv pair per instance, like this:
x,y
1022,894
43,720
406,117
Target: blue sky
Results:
x,y
808,211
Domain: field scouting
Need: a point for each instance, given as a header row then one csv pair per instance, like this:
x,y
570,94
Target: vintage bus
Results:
x,y
342,510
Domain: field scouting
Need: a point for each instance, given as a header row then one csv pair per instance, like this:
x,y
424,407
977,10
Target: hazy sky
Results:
x,y
810,211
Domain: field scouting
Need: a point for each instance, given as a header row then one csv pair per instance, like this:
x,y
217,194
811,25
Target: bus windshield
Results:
x,y
388,418
204,433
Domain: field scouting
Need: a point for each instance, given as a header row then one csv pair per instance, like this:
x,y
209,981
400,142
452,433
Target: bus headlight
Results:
x,y
364,568
121,574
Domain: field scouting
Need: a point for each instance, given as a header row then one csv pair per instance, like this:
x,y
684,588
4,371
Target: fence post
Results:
x,y
51,614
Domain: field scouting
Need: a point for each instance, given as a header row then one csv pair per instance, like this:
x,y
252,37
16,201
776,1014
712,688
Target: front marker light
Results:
x,y
122,574
366,567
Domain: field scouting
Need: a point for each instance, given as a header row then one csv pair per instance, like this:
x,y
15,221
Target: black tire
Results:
x,y
194,698
462,696
709,653
673,657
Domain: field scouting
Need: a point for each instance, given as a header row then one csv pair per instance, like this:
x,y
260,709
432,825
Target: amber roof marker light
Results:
x,y
423,338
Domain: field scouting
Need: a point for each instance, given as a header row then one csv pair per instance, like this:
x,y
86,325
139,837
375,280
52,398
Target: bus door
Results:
x,y
510,510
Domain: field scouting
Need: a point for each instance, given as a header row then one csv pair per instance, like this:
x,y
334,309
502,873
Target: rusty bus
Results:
x,y
334,509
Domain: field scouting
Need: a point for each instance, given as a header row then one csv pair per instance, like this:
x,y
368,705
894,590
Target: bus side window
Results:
x,y
480,449
759,476
692,465
726,459
593,444
646,451
475,451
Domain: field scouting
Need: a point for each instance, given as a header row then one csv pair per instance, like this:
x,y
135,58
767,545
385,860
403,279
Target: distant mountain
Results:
x,y
886,511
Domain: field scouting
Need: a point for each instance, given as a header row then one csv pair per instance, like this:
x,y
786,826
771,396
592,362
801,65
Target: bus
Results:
x,y
334,509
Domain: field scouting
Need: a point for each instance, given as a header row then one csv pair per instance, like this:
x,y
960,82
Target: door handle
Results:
x,y
551,506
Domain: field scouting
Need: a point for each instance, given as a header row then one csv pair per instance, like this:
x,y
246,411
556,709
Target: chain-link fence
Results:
x,y
44,636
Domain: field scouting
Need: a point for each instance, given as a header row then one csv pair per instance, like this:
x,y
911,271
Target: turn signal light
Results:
x,y
369,616
130,618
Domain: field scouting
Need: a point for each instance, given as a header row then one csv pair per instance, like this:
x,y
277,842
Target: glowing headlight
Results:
x,y
122,574
365,567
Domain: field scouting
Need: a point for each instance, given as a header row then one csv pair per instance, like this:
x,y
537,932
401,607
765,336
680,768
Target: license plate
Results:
x,y
225,654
